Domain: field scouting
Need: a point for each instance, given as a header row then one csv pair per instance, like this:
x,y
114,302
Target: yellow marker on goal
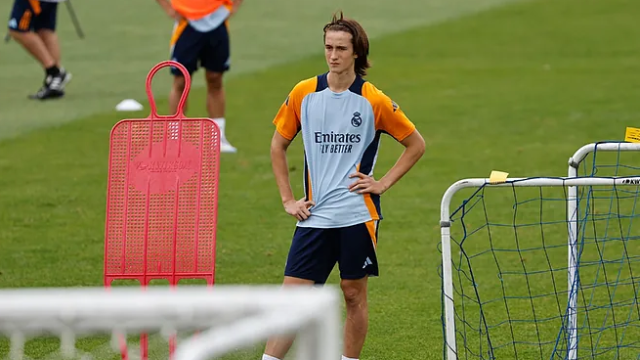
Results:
x,y
497,177
632,135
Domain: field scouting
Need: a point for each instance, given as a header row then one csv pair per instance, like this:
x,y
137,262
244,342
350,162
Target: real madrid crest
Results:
x,y
356,120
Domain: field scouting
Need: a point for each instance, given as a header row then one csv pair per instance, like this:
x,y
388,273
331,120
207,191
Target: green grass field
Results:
x,y
517,88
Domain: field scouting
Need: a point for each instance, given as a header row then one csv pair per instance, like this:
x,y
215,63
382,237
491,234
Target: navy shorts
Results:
x,y
192,48
314,252
35,15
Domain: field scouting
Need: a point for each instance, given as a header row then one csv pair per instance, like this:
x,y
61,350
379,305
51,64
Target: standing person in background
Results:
x,y
33,24
201,36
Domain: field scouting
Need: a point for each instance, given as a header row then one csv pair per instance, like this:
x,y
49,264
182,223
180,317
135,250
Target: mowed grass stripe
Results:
x,y
125,39
516,89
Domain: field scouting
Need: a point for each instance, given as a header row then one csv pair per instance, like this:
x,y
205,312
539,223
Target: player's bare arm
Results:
x,y
236,6
414,149
300,208
171,12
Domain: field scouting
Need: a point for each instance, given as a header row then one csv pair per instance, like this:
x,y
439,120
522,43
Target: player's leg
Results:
x,y
312,256
20,26
45,27
357,323
23,16
357,263
186,44
34,45
177,87
215,59
277,347
50,40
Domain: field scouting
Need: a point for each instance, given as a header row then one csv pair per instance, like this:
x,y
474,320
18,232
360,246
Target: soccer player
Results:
x,y
341,117
201,37
33,24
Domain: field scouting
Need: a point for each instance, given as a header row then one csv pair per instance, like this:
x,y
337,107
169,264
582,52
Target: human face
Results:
x,y
338,51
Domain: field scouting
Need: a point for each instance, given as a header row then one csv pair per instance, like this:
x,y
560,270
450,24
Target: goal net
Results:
x,y
213,321
534,270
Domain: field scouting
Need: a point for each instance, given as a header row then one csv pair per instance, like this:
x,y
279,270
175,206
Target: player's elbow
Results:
x,y
276,149
420,146
278,145
415,144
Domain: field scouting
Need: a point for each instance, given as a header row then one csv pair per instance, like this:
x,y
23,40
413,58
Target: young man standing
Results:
x,y
341,117
201,37
33,25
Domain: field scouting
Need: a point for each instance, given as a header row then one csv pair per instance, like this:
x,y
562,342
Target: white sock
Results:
x,y
348,358
267,357
221,123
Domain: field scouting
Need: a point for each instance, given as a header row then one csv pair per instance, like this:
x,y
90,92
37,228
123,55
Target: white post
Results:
x,y
572,243
447,275
572,269
318,340
450,325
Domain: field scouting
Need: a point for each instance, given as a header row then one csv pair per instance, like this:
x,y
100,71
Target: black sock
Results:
x,y
53,71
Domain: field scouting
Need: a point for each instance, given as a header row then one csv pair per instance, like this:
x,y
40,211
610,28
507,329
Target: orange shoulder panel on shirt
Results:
x,y
196,9
388,115
287,121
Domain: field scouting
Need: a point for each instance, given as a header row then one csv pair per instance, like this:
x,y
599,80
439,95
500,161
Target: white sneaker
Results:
x,y
225,147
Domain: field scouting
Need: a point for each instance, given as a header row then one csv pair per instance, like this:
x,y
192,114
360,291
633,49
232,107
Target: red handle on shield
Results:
x,y
185,93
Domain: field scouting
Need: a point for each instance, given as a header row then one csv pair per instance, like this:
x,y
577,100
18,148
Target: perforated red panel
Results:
x,y
162,199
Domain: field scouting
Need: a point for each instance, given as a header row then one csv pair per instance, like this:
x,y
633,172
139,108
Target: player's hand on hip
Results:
x,y
299,209
173,14
366,184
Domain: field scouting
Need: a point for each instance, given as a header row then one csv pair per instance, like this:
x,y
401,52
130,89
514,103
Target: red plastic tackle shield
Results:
x,y
162,195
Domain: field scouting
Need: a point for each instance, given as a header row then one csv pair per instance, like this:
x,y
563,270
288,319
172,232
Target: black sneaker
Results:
x,y
53,87
64,79
46,93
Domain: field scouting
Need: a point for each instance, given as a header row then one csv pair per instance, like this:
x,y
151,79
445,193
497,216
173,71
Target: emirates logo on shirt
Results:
x,y
336,143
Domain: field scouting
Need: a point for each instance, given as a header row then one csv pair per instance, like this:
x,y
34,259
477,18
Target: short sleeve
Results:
x,y
288,118
389,117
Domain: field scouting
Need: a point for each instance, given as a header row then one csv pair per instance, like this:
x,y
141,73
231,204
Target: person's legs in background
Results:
x,y
215,59
190,46
42,44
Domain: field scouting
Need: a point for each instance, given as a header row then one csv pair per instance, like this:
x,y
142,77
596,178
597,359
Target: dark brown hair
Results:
x,y
359,39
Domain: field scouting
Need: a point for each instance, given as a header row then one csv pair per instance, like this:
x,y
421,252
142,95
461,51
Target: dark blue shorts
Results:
x,y
30,15
192,48
314,252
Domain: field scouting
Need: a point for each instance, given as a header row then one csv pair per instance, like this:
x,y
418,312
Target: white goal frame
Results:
x,y
576,159
230,316
445,232
572,210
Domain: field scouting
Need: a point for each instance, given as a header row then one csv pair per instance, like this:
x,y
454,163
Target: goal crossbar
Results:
x,y
576,159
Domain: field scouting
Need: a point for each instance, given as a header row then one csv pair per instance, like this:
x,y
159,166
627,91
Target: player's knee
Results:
x,y
48,33
16,34
355,292
294,281
214,80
